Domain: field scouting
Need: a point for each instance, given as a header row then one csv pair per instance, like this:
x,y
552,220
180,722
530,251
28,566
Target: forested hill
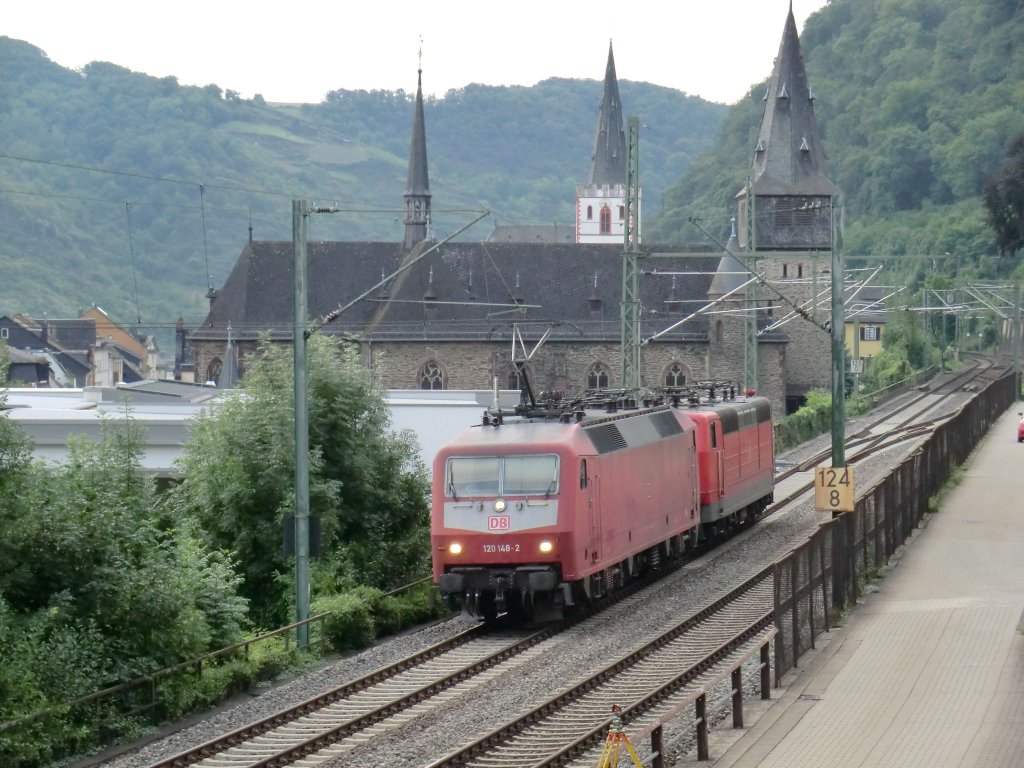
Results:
x,y
917,101
136,193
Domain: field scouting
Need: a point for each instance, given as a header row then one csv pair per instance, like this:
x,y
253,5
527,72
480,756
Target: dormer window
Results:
x,y
760,146
783,93
804,146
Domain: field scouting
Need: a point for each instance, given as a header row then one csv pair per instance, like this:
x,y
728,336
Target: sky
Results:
x,y
297,52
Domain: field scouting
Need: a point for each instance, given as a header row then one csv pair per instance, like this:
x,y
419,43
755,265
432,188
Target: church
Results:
x,y
457,313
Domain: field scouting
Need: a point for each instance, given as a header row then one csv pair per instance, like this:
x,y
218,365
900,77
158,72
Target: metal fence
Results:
x,y
823,576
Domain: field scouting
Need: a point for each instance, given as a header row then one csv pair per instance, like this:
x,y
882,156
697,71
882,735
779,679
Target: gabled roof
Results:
x,y
460,291
789,157
608,160
72,335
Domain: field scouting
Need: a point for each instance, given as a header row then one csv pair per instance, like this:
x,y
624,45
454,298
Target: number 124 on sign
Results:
x,y
833,489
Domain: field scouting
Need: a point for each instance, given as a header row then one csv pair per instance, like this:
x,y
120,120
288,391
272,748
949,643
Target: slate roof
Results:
x,y
789,157
461,291
532,233
608,160
731,273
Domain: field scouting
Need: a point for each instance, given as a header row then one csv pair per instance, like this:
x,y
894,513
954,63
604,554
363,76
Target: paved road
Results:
x,y
928,670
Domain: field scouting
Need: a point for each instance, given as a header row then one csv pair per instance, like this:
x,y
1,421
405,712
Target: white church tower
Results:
x,y
601,202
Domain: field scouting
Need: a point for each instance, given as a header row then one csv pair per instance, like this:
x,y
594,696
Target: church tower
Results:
x,y
787,217
601,202
788,204
417,189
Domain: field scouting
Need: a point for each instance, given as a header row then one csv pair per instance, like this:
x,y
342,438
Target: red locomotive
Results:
x,y
564,503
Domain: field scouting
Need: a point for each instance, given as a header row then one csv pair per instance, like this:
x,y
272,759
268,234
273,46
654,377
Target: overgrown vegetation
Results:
x,y
102,580
366,483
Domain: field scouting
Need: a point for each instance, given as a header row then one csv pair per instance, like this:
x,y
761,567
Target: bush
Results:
x,y
220,679
350,623
360,616
811,420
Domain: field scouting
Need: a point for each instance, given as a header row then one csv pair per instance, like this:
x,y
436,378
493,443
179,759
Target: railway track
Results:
x,y
342,718
566,726
907,422
331,724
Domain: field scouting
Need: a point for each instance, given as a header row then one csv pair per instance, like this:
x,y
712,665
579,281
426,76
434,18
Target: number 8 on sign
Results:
x,y
833,489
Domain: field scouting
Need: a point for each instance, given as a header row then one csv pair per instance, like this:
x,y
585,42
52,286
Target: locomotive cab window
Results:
x,y
583,473
528,475
502,476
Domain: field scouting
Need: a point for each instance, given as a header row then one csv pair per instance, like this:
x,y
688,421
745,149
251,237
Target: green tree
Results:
x,y
1004,200
95,586
86,542
367,485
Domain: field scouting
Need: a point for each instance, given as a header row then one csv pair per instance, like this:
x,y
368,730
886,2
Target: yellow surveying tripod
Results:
x,y
617,742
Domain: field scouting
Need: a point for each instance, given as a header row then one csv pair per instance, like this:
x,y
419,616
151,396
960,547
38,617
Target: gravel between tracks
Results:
x,y
571,657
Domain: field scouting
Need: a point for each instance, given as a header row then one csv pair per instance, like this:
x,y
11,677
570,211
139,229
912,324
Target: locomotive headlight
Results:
x,y
455,548
546,546
499,505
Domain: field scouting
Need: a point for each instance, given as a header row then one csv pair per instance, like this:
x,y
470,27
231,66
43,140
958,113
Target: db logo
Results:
x,y
499,523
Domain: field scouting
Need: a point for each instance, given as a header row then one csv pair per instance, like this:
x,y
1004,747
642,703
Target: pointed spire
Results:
x,y
608,161
417,189
789,157
731,273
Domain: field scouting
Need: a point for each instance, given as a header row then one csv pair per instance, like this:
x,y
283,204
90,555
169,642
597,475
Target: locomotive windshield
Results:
x,y
502,476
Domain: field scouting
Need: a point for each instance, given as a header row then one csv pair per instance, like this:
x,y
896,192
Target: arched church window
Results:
x,y
675,375
431,376
606,220
597,376
622,212
514,379
590,213
719,331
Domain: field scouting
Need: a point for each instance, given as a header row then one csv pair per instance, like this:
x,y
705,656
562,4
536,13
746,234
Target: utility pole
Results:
x,y
750,365
630,335
1016,339
300,220
838,343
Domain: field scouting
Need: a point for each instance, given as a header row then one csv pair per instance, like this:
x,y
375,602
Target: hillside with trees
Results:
x,y
137,194
917,103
